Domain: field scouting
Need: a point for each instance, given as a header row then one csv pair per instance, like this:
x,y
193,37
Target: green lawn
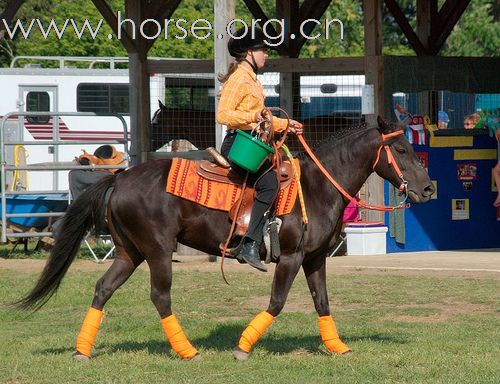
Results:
x,y
402,329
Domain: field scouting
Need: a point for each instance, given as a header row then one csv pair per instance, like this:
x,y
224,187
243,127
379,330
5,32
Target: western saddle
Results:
x,y
219,170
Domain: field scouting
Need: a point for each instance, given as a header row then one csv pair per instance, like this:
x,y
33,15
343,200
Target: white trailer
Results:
x,y
64,89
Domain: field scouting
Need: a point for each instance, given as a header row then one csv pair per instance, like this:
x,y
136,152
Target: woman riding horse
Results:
x,y
241,106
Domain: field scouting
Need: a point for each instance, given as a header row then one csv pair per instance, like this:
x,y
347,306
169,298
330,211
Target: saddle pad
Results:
x,y
184,181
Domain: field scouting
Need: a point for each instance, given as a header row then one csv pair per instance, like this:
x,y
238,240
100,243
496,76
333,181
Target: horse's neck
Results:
x,y
350,160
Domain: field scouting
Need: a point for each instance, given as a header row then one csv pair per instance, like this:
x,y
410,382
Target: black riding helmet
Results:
x,y
238,46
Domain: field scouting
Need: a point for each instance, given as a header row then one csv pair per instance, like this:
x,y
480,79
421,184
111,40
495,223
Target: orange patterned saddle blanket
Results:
x,y
185,180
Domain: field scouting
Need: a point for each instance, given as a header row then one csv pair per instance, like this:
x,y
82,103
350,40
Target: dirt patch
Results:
x,y
433,264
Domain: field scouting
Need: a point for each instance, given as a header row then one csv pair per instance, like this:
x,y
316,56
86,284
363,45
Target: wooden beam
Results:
x,y
257,12
373,28
112,20
180,66
139,88
310,9
334,65
223,14
448,16
9,12
424,21
374,75
287,11
353,65
405,26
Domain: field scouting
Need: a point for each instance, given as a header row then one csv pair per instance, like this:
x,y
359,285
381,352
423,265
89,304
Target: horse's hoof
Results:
x,y
80,357
194,358
240,354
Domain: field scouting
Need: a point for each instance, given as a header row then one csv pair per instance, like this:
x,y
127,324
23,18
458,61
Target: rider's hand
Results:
x,y
265,114
295,127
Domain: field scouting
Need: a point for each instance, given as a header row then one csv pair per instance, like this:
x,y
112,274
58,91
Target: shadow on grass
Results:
x,y
376,338
225,336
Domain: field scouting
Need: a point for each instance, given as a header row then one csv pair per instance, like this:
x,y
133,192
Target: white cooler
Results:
x,y
366,239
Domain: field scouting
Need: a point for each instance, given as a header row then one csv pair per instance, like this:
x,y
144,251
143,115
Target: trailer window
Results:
x,y
38,102
102,98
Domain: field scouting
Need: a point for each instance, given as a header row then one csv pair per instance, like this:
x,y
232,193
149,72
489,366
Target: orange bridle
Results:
x,y
360,203
390,158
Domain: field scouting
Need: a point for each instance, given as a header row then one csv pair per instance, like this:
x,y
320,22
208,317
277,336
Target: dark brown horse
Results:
x,y
146,222
197,127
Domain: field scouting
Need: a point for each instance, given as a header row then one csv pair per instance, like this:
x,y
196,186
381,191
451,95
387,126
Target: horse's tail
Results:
x,y
83,214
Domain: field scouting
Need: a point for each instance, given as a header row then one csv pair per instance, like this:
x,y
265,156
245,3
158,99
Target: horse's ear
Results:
x,y
383,126
160,104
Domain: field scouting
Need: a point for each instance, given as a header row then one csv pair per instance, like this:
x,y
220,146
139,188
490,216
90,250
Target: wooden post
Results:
x,y
374,74
289,86
139,86
223,14
139,108
426,11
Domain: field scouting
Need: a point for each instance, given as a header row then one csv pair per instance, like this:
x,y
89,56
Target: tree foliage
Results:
x,y
477,33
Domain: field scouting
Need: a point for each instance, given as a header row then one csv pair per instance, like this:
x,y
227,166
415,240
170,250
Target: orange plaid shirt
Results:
x,y
242,96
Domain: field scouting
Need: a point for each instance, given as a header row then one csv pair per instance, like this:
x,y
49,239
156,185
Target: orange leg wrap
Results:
x,y
177,338
254,331
330,336
88,332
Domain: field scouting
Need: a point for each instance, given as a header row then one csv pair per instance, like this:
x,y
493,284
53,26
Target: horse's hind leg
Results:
x,y
115,276
161,281
315,271
285,273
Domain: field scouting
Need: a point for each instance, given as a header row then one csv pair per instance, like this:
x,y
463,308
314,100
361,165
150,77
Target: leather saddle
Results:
x,y
220,171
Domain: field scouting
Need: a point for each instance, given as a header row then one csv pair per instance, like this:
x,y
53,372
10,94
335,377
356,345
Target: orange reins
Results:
x,y
360,203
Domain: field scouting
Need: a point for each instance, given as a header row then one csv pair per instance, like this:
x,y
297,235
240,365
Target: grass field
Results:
x,y
402,329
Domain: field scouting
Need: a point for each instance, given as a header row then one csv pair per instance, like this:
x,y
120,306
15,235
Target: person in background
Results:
x,y
443,120
241,106
496,169
470,121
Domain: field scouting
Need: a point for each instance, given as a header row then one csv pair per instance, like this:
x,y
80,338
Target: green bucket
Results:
x,y
248,152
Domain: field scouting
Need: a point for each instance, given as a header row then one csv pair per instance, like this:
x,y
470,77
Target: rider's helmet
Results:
x,y
246,39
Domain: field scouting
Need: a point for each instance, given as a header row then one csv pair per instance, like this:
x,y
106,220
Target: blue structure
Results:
x,y
430,226
35,203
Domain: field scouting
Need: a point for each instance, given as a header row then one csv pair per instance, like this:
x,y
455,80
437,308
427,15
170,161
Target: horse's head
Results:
x,y
157,116
397,163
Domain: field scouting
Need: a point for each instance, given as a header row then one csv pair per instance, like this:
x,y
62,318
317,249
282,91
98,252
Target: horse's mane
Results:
x,y
338,137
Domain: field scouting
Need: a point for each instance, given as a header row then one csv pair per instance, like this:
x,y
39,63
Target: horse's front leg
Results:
x,y
285,273
315,271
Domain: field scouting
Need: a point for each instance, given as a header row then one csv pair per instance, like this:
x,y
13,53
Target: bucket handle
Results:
x,y
268,121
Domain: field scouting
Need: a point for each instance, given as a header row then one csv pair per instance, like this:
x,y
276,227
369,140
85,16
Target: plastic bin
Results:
x,y
364,239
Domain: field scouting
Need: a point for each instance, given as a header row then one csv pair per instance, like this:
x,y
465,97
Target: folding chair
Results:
x,y
79,180
99,238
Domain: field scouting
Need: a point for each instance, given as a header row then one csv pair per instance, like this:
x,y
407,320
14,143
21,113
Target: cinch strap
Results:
x,y
330,336
177,338
254,331
88,332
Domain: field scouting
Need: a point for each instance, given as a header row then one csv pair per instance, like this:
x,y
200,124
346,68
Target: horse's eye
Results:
x,y
400,149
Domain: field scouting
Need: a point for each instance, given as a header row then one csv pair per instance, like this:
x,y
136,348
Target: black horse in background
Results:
x,y
146,222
